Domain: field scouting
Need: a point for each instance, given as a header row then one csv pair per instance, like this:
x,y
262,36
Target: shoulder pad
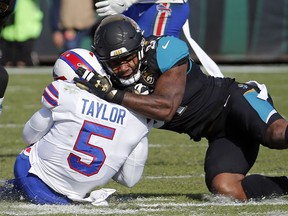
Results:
x,y
170,50
50,97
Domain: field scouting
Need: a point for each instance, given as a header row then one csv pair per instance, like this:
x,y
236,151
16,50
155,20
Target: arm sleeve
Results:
x,y
37,126
172,48
132,170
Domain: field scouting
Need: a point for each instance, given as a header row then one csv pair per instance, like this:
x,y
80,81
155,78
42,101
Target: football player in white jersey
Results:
x,y
77,141
155,17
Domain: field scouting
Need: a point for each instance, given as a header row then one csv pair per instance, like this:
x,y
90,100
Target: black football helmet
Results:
x,y
118,36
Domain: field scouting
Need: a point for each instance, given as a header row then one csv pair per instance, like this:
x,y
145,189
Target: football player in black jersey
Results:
x,y
6,9
234,117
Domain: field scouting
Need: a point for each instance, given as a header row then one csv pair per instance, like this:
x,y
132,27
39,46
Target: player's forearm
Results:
x,y
37,126
152,106
132,170
163,103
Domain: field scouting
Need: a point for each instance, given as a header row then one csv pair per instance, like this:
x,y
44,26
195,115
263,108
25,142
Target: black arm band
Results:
x,y
118,98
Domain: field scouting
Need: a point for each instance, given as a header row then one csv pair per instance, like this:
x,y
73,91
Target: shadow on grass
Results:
x,y
131,197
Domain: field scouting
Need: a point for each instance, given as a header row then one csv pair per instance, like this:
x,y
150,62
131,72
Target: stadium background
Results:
x,y
230,31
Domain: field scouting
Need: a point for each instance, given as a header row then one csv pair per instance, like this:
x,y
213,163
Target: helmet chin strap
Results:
x,y
132,79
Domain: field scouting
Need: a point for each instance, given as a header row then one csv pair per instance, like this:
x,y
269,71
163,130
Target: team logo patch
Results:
x,y
118,52
148,78
164,9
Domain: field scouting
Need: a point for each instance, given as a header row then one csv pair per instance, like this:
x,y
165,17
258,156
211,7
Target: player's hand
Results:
x,y
98,85
111,7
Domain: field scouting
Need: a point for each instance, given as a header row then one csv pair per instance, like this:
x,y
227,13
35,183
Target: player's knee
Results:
x,y
221,188
277,135
228,185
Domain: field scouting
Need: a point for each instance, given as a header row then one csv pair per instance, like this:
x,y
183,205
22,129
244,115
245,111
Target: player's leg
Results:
x,y
4,77
226,165
175,20
160,19
32,187
252,107
267,126
258,186
276,136
249,120
144,15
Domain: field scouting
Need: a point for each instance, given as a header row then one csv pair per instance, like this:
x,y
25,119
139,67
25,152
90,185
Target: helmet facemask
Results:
x,y
134,77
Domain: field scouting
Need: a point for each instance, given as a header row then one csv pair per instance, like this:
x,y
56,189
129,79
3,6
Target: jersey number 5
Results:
x,y
83,146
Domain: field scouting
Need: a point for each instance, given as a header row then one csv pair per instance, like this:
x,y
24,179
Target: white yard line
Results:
x,y
11,125
143,206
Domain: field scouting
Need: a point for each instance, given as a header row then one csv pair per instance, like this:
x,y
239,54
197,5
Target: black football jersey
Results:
x,y
204,95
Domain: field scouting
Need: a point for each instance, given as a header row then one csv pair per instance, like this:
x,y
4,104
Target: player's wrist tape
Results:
x,y
115,96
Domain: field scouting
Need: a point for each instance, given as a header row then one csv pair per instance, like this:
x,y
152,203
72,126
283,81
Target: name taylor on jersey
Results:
x,y
62,93
101,111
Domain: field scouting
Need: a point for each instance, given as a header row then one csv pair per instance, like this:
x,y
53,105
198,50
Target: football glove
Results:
x,y
98,85
111,7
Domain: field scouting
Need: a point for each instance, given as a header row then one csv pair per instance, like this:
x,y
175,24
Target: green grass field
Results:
x,y
173,180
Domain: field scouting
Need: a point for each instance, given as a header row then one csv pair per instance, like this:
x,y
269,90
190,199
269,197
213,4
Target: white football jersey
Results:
x,y
89,138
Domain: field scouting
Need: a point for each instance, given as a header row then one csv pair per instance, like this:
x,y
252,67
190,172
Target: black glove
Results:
x,y
98,85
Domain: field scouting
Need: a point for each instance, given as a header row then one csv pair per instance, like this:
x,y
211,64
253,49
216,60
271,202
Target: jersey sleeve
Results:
x,y
50,97
170,51
132,170
37,126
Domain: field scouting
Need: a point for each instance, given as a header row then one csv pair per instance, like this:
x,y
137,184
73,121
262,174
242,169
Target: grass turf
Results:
x,y
173,181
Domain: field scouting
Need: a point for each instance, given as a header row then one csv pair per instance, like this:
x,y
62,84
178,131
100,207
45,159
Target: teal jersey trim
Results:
x,y
264,109
169,51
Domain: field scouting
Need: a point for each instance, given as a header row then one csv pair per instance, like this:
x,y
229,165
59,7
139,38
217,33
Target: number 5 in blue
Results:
x,y
82,145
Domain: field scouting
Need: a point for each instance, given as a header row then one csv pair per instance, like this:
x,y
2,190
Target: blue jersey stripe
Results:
x,y
49,99
53,91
